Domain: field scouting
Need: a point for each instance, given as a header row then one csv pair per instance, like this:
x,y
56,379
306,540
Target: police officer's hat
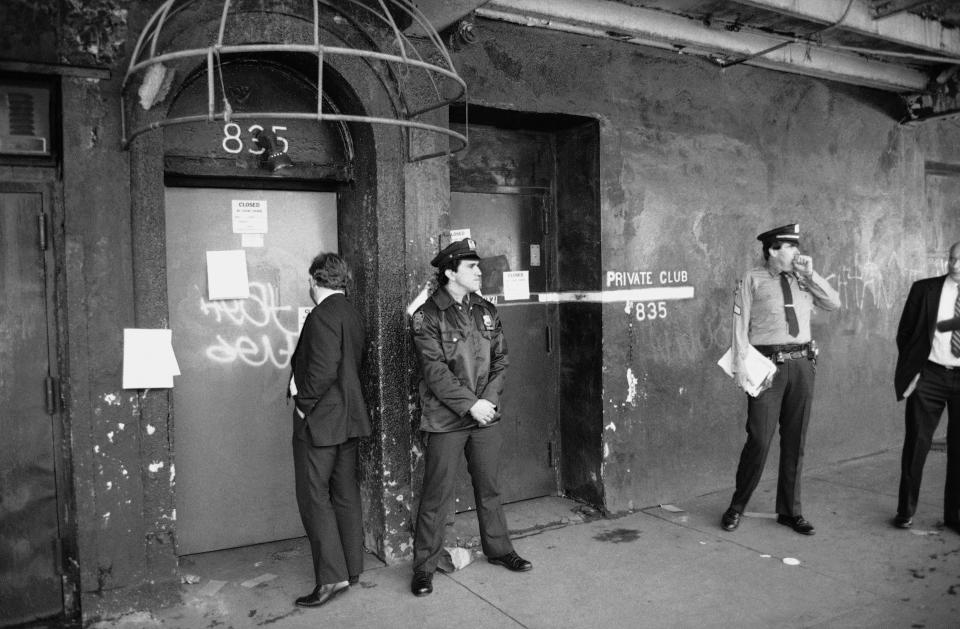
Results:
x,y
787,233
459,250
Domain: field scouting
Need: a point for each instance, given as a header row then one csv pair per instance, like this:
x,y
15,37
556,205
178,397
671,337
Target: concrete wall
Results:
x,y
121,527
693,164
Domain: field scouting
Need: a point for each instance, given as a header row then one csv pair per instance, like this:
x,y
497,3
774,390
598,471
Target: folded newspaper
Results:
x,y
760,370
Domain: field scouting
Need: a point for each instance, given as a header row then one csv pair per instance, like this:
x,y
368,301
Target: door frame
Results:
x,y
547,220
52,207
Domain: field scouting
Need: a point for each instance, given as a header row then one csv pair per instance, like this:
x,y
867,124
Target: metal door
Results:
x,y
509,230
30,565
232,422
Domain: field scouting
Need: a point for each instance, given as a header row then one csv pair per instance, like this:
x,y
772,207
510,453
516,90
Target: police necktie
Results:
x,y
955,335
792,326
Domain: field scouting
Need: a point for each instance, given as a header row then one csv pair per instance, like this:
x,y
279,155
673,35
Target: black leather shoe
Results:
x,y
322,594
953,526
797,523
730,520
422,583
512,561
902,521
353,579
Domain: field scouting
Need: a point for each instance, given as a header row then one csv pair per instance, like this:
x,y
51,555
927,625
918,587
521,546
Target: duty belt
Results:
x,y
780,353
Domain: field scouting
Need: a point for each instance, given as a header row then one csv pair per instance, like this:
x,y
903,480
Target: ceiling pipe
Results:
x,y
615,20
904,29
442,14
782,44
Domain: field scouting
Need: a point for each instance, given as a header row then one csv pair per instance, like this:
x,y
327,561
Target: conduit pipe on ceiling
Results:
x,y
789,41
663,30
903,29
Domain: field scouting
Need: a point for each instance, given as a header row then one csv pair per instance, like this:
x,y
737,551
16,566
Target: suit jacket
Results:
x,y
326,370
915,332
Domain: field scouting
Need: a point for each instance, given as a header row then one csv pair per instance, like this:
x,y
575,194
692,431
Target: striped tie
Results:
x,y
955,335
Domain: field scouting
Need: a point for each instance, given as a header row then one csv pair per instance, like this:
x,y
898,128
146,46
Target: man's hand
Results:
x,y
803,265
483,411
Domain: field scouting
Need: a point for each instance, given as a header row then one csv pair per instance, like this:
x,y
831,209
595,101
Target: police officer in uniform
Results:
x,y
771,311
463,359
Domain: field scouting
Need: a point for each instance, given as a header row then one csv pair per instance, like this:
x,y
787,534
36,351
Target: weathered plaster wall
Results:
x,y
122,442
694,163
123,469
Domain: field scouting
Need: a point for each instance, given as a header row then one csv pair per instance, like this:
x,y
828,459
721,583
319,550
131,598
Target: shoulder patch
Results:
x,y
418,320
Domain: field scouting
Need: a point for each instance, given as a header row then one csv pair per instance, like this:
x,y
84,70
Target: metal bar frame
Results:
x,y
143,58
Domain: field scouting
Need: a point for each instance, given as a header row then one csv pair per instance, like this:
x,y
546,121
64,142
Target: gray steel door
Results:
x,y
30,582
232,422
509,231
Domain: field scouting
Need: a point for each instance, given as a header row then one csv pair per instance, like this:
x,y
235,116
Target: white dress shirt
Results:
x,y
940,348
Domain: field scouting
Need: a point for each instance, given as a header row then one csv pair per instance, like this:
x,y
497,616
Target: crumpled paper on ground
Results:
x,y
454,559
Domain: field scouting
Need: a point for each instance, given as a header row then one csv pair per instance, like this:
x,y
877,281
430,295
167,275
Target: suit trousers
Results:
x,y
443,451
936,388
328,496
787,403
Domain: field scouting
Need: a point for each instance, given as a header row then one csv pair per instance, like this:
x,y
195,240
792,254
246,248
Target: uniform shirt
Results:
x,y
462,356
758,310
940,347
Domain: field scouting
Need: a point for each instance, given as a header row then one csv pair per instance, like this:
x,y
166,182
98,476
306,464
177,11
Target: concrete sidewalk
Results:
x,y
653,568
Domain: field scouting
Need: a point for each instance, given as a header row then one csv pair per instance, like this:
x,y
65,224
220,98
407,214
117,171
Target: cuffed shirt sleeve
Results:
x,y
742,303
825,296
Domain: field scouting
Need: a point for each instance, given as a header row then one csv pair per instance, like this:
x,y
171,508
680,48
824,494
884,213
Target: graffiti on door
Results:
x,y
266,332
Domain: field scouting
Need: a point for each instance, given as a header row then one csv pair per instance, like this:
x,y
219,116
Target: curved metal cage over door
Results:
x,y
421,77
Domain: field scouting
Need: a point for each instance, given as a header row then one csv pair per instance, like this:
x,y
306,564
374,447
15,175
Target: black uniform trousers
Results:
x,y
787,403
936,388
443,451
328,496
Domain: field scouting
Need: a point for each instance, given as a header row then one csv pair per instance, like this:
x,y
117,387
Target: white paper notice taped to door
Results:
x,y
249,216
148,359
227,275
459,234
516,285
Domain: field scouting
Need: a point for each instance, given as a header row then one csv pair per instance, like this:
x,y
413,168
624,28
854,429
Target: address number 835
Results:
x,y
233,138
650,310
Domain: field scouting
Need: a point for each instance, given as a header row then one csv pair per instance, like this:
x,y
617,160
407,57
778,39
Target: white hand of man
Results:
x,y
483,411
803,265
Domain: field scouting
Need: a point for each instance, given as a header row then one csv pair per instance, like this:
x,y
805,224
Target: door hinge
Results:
x,y
52,386
42,225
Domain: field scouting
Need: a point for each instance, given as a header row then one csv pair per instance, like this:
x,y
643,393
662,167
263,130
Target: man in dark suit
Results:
x,y
928,376
329,418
